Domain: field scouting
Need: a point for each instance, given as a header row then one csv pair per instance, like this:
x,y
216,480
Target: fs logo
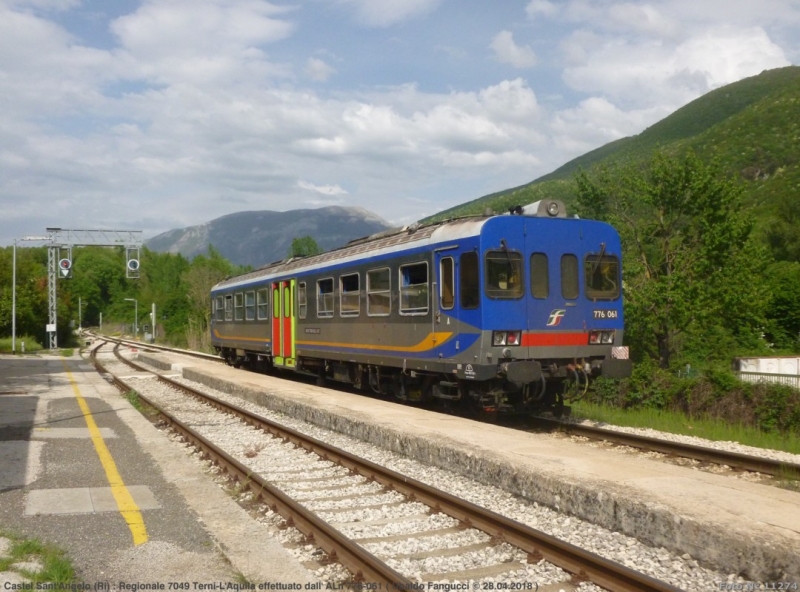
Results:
x,y
555,317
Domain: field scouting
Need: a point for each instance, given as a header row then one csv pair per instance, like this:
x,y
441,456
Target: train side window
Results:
x,y
470,281
238,306
302,303
569,277
219,309
504,275
249,306
287,303
229,307
414,289
349,295
379,292
540,276
601,274
262,304
447,290
325,297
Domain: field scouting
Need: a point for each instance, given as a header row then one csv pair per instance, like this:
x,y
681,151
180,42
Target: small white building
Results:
x,y
778,369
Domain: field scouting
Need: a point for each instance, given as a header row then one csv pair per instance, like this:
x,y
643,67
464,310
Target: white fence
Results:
x,y
755,377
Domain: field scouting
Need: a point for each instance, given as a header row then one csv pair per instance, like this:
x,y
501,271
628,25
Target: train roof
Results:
x,y
392,240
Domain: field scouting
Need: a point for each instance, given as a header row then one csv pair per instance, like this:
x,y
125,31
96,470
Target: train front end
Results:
x,y
551,312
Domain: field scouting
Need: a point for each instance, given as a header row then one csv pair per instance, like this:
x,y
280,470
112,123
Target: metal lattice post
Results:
x,y
52,279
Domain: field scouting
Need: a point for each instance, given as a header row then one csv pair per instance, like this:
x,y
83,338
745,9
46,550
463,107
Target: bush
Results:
x,y
31,345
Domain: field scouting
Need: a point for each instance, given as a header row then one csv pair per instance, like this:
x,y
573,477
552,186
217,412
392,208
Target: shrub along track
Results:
x,y
536,545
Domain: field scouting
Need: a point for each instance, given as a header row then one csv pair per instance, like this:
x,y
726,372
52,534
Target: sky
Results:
x,y
153,115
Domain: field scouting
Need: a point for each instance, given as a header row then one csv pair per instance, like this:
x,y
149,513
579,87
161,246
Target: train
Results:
x,y
491,314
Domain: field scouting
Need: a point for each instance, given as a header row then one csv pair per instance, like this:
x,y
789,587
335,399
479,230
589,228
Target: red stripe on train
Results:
x,y
542,339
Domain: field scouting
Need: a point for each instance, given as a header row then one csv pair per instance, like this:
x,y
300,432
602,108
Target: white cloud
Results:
x,y
670,75
318,70
508,52
323,189
384,13
200,41
543,7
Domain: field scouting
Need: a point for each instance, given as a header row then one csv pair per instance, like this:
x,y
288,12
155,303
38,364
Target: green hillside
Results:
x,y
751,126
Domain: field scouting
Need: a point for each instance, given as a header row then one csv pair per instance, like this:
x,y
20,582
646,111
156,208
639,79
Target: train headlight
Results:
x,y
552,208
594,337
608,337
499,338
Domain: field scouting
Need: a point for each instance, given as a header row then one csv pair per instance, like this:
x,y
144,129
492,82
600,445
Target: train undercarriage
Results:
x,y
516,388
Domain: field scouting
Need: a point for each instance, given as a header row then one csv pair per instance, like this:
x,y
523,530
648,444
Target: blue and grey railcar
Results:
x,y
508,313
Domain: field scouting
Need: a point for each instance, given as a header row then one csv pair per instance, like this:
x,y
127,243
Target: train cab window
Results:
x,y
349,295
229,307
325,297
601,273
302,303
219,309
414,289
262,304
379,292
540,276
569,277
447,288
249,306
470,281
504,275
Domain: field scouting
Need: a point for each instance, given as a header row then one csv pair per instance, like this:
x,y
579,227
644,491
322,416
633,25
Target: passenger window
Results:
x,y
219,312
287,303
238,306
414,289
229,307
379,292
349,295
447,290
470,281
569,277
540,276
302,304
601,275
325,297
262,302
276,302
249,306
504,275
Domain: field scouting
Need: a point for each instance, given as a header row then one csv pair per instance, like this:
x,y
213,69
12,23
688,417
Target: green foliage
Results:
x,y
689,263
304,246
31,345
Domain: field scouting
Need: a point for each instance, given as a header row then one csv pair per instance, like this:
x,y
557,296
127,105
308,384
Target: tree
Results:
x,y
692,270
304,247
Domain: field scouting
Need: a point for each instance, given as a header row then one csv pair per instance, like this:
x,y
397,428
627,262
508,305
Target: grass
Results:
x,y
677,423
56,566
31,345
133,399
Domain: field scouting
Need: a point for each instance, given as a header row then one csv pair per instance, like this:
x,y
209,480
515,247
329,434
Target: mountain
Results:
x,y
258,238
751,127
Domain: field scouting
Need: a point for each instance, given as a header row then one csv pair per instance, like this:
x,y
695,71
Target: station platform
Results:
x,y
738,526
82,469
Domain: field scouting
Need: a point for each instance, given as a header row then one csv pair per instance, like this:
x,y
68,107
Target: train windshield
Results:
x,y
504,274
602,277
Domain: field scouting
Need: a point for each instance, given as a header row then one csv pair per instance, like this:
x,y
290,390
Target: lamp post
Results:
x,y
135,317
14,289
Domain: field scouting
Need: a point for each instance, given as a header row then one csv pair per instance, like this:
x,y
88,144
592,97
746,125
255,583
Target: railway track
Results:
x,y
738,461
735,460
338,496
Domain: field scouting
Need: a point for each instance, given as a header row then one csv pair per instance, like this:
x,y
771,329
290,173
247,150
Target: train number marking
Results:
x,y
606,314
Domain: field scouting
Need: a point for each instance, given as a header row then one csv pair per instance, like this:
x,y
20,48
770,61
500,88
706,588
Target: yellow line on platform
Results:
x,y
127,507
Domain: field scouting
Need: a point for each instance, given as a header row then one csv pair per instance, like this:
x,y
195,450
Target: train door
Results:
x,y
283,323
